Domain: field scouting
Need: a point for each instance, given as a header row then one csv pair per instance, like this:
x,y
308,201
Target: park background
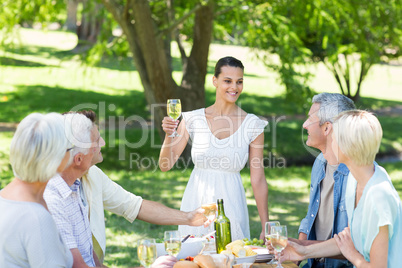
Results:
x,y
45,66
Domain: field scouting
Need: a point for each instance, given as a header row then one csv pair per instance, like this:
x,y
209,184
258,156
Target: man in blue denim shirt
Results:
x,y
326,214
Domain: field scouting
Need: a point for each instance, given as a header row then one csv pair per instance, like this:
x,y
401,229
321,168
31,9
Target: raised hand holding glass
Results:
x,y
174,112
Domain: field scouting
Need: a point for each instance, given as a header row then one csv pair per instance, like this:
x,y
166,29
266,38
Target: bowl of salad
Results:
x,y
191,247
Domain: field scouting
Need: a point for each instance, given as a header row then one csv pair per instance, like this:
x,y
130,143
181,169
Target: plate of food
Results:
x,y
204,261
258,246
241,252
262,254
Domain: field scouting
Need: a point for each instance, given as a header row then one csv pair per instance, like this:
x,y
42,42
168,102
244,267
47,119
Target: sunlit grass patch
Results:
x,y
294,184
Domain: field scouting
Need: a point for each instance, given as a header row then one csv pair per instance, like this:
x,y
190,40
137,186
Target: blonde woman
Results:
x,y
374,235
29,238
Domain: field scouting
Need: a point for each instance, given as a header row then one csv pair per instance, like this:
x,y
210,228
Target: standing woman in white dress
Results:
x,y
223,138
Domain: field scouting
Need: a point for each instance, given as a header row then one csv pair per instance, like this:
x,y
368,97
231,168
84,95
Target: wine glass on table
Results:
x,y
146,251
268,226
174,112
172,241
279,239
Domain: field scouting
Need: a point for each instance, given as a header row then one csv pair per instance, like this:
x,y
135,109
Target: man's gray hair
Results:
x,y
331,105
80,134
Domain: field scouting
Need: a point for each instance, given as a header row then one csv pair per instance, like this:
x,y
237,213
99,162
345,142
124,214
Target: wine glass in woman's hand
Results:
x,y
174,112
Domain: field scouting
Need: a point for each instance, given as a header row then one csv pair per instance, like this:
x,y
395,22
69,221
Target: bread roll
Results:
x,y
205,261
249,251
226,252
185,264
235,243
239,251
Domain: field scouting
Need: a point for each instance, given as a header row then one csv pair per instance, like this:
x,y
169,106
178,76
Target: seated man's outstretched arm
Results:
x,y
156,213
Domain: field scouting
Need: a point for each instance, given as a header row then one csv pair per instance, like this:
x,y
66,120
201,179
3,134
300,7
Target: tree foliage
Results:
x,y
349,36
149,31
26,13
252,23
18,12
148,28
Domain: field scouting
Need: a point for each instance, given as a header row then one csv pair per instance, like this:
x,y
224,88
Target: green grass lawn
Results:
x,y
288,195
44,76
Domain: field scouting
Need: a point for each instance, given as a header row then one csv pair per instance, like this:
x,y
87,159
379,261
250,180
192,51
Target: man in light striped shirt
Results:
x,y
78,197
70,215
62,193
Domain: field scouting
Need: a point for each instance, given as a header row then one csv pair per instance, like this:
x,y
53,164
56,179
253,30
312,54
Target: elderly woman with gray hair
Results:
x,y
29,237
373,237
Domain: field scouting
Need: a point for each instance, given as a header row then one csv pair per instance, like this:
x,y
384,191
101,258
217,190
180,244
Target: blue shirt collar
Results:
x,y
76,185
342,168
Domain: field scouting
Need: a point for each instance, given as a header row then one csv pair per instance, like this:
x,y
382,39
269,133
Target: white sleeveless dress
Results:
x,y
216,174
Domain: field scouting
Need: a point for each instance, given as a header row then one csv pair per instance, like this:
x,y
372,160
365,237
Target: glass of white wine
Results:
x,y
174,112
268,226
146,251
210,213
279,239
172,241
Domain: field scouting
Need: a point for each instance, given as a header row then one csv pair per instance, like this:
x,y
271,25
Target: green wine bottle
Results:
x,y
222,227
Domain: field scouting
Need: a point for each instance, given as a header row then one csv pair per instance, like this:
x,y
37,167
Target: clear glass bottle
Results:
x,y
222,227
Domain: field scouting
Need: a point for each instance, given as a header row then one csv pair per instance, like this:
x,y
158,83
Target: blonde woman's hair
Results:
x,y
358,134
38,147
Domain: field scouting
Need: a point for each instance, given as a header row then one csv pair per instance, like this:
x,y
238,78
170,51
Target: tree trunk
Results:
x,y
355,97
193,82
343,77
149,55
192,90
90,25
71,22
151,61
